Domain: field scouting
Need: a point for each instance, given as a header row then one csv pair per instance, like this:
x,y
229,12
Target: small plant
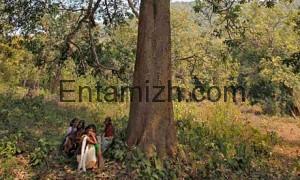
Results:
x,y
9,145
40,153
118,150
146,168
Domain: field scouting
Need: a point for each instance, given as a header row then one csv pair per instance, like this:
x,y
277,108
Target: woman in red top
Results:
x,y
109,129
108,135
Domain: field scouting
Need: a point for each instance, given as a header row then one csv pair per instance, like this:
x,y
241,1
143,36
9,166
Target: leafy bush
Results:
x,y
223,146
9,145
220,146
41,152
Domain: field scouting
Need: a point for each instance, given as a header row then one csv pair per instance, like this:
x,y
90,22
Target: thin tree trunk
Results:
x,y
151,124
54,81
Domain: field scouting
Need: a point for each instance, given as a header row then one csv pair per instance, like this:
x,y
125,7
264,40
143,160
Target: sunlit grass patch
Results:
x,y
220,144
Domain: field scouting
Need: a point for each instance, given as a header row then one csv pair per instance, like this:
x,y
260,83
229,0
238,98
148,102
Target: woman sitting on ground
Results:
x,y
108,135
72,126
68,144
90,156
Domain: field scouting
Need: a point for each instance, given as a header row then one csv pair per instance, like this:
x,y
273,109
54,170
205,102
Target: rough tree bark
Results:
x,y
151,124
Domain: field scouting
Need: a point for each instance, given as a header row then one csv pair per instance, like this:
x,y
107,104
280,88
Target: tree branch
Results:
x,y
95,55
131,5
88,16
185,58
107,12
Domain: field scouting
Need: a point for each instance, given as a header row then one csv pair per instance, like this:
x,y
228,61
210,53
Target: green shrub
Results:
x,y
9,145
41,152
226,146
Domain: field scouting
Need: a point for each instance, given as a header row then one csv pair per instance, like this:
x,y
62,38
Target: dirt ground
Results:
x,y
288,130
287,151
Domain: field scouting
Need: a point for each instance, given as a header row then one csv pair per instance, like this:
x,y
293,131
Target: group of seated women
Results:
x,y
84,143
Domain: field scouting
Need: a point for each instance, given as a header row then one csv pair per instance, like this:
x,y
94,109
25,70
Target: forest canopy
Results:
x,y
212,44
250,48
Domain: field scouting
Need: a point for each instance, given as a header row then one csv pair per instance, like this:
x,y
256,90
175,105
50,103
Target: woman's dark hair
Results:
x,y
107,120
73,122
81,124
92,127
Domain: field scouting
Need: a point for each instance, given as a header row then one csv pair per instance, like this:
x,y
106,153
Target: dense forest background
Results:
x,y
253,44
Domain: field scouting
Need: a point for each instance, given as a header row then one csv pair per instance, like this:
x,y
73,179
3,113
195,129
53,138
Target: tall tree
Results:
x,y
151,124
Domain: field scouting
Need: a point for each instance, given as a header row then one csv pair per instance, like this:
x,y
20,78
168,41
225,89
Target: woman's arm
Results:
x,y
91,140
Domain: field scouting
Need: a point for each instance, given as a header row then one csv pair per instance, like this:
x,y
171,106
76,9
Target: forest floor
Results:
x,y
51,120
288,131
285,153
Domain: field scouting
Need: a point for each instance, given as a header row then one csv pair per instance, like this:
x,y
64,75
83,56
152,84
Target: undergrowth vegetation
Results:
x,y
213,141
221,147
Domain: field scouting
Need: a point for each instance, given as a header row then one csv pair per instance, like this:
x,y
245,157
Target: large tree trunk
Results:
x,y
151,124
